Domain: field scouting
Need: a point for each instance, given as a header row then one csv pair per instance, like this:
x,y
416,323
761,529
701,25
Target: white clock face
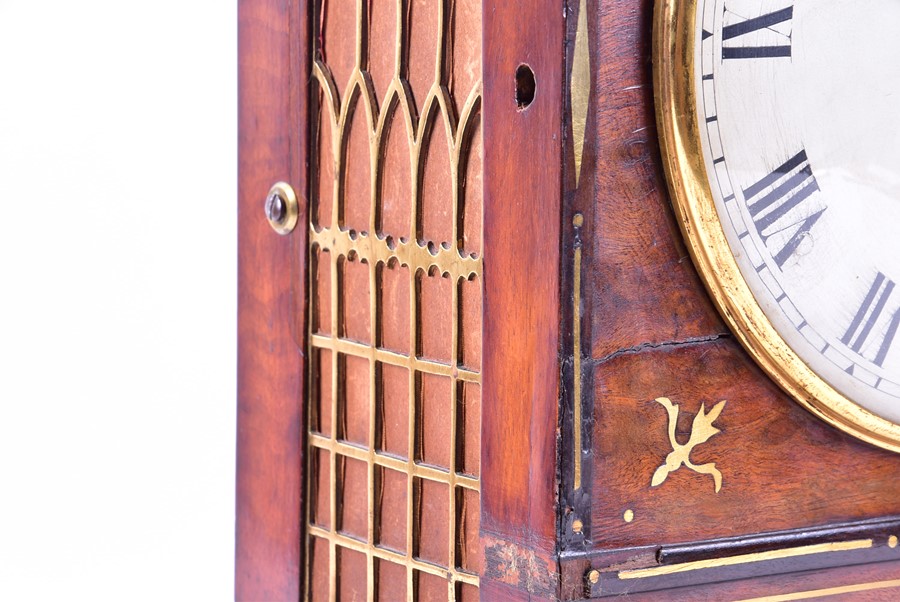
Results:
x,y
799,107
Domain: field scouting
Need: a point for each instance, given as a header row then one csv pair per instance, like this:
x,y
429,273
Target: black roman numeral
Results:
x,y
736,30
791,184
868,314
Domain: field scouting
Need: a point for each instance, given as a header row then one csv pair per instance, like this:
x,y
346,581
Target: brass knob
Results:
x,y
282,209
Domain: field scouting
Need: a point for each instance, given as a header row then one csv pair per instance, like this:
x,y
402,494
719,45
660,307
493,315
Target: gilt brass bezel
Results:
x,y
674,37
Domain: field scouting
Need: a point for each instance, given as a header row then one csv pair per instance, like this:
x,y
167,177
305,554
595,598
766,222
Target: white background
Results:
x,y
117,299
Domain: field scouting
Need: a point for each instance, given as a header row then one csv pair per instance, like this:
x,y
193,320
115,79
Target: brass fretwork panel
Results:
x,y
395,310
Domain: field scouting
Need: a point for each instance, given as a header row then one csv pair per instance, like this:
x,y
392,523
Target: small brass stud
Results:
x,y
578,220
577,525
281,208
629,516
892,541
594,576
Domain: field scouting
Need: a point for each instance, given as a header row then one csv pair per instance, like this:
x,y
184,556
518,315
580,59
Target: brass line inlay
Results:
x,y
658,571
336,243
579,87
830,591
577,221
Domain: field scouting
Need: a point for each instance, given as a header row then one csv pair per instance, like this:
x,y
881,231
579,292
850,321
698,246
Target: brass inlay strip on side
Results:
x,y
658,571
577,221
831,591
579,91
579,87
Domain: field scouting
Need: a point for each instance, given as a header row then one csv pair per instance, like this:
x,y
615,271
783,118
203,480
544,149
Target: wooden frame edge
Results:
x,y
272,97
522,213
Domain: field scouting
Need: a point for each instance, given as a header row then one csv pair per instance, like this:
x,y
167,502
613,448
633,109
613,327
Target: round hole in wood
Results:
x,y
525,86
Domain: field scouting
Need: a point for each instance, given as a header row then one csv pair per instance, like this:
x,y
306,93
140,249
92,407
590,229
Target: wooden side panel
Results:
x,y
521,326
270,304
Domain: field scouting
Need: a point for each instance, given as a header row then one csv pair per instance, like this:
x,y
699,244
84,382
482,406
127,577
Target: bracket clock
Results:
x,y
568,300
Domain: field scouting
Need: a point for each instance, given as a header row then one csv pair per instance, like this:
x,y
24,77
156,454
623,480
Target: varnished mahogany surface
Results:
x,y
648,330
654,332
271,297
522,157
651,331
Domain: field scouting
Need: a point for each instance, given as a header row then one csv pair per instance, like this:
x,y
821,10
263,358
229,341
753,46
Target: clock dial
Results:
x,y
783,154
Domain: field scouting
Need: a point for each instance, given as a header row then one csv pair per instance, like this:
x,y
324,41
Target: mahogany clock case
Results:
x,y
560,409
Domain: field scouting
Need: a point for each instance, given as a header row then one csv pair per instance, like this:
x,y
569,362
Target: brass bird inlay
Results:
x,y
701,431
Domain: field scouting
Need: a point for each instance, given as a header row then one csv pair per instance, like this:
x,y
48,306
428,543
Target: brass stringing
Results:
x,y
701,430
753,557
335,243
579,87
577,426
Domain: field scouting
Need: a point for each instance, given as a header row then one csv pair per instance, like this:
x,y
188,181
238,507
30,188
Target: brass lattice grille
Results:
x,y
395,311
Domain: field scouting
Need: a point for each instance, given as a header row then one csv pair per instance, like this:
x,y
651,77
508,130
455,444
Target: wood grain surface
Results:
x,y
653,332
271,303
522,158
649,330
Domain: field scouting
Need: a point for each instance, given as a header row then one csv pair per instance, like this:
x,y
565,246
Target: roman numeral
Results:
x,y
791,184
742,28
860,330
